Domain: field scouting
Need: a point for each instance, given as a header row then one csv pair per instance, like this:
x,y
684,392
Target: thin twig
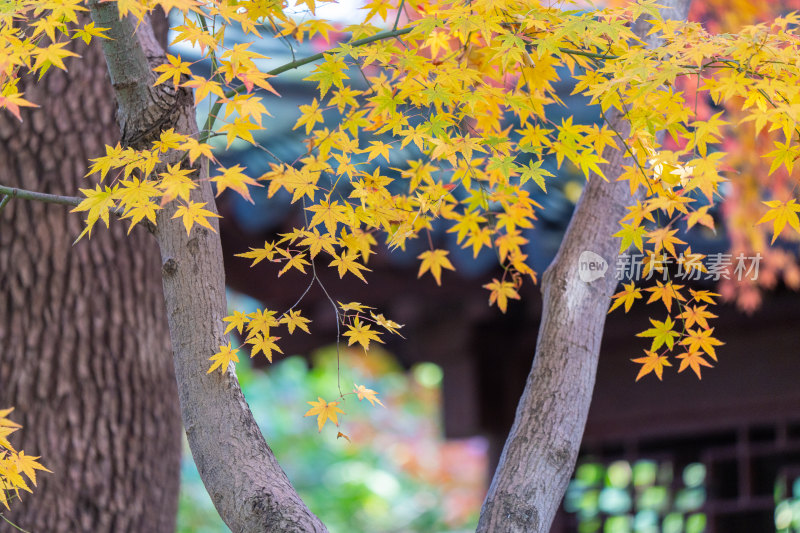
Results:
x,y
23,194
399,12
4,202
12,524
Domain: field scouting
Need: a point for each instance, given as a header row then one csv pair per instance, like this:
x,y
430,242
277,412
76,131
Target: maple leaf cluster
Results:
x,y
360,322
14,464
697,344
459,98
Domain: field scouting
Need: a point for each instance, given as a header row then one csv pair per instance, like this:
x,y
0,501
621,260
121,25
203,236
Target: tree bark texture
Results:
x,y
247,485
541,450
84,345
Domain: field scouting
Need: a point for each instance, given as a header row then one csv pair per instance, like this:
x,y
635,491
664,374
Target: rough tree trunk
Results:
x,y
84,345
248,487
542,447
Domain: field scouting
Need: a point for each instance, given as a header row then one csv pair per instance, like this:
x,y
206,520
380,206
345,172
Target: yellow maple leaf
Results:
x,y
328,213
701,340
294,320
701,216
13,477
293,261
7,427
781,213
173,69
346,262
260,322
309,115
234,178
626,296
353,306
115,156
316,242
379,7
331,72
52,55
664,238
696,315
176,183
28,465
259,254
193,213
693,360
389,325
4,421
203,87
88,31
704,296
631,234
665,292
240,128
435,261
265,344
501,291
661,332
376,149
325,411
98,202
13,102
438,40
237,320
139,211
362,392
362,334
652,363
196,149
223,358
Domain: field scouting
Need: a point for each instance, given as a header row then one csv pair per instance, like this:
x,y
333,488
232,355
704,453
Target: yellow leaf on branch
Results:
x,y
324,411
193,213
434,261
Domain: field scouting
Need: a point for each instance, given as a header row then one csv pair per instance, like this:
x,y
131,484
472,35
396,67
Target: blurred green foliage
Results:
x,y
396,474
641,497
787,506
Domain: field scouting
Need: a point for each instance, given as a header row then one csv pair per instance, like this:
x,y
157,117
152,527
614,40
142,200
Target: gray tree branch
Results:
x,y
248,487
9,193
541,450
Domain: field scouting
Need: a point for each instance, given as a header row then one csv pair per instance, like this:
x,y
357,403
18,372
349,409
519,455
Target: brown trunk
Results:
x,y
84,345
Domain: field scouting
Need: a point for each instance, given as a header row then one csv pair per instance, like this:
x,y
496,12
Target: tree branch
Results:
x,y
248,487
12,192
540,453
